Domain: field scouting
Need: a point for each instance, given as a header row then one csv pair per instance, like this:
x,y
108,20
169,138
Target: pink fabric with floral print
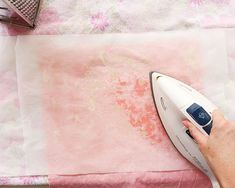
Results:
x,y
107,16
111,16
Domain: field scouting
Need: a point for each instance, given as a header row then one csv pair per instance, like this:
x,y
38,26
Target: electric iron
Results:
x,y
176,101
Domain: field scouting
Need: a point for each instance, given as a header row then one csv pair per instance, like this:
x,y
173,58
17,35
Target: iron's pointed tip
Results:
x,y
151,74
155,75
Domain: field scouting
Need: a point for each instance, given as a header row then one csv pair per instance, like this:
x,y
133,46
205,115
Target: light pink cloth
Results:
x,y
112,16
58,17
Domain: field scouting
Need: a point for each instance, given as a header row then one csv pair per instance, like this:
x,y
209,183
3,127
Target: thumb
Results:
x,y
198,136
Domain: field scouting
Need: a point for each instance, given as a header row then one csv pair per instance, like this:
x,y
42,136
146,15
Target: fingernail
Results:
x,y
185,122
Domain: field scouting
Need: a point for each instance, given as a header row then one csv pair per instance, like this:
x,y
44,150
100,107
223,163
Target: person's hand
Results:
x,y
218,148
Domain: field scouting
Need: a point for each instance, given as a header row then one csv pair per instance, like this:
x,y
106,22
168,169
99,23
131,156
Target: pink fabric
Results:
x,y
57,17
109,16
167,179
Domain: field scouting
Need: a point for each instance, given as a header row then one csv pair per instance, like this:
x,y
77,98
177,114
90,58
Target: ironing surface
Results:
x,y
116,16
86,106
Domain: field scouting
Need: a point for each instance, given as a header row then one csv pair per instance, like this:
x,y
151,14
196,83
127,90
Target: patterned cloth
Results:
x,y
93,16
33,180
108,16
